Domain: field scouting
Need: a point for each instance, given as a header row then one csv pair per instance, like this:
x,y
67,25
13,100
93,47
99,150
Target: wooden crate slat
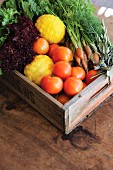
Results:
x,y
65,117
88,92
36,97
88,108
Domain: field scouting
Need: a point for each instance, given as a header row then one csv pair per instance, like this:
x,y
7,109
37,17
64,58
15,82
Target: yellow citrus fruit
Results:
x,y
51,28
42,65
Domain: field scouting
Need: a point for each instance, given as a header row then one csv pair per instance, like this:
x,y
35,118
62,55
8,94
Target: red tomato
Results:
x,y
89,76
40,46
52,85
62,53
72,86
78,72
62,69
52,47
63,98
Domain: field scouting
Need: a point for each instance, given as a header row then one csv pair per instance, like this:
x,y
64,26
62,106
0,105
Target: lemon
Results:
x,y
51,28
42,65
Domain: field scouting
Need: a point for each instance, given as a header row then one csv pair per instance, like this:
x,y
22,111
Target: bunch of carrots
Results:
x,y
85,55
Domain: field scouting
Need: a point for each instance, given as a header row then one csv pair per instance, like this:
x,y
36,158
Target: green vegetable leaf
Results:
x,y
4,32
33,6
8,16
1,72
26,9
9,4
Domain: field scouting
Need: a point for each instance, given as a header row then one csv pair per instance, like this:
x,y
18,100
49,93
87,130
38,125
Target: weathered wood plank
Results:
x,y
63,117
88,108
35,96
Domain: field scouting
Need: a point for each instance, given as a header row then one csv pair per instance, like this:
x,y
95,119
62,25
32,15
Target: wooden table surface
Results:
x,y
29,142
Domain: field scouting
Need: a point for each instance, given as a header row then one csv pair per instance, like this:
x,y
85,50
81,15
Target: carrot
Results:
x,y
78,60
85,63
79,52
96,58
88,51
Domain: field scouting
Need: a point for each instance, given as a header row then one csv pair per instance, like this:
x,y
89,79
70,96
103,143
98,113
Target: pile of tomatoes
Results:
x,y
66,80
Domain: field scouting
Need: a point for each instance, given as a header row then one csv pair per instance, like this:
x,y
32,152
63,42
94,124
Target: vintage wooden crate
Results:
x,y
65,117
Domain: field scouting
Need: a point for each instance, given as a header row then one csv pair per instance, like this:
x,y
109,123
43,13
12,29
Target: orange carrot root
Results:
x,y
88,51
79,52
95,58
78,60
85,63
